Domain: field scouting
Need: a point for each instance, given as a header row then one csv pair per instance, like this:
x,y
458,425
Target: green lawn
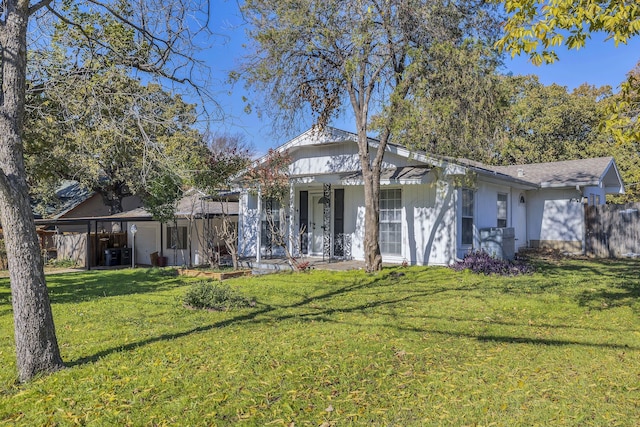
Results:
x,y
407,347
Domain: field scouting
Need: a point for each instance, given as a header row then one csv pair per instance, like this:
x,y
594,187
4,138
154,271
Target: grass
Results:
x,y
413,346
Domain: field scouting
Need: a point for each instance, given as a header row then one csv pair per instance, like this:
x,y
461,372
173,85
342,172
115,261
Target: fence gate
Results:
x,y
612,230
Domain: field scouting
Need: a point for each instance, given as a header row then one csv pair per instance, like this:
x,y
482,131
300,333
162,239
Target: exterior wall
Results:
x,y
486,214
595,195
336,158
555,218
94,206
429,232
487,205
427,211
251,214
148,241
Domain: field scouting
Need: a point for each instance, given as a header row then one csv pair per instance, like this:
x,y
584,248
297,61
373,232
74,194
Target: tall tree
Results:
x,y
549,123
537,27
623,114
112,134
459,105
160,41
624,121
322,56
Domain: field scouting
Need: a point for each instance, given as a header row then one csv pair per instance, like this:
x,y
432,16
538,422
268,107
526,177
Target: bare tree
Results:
x,y
155,37
228,155
227,231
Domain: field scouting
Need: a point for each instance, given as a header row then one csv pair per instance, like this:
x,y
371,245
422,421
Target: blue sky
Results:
x,y
599,63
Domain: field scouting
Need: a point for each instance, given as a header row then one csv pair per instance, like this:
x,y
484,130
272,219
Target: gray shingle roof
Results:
x,y
195,204
567,173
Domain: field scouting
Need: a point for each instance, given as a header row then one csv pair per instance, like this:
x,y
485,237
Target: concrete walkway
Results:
x,y
282,264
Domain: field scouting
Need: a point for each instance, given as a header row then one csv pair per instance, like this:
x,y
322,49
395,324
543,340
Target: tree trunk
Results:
x,y
372,255
112,197
36,344
371,178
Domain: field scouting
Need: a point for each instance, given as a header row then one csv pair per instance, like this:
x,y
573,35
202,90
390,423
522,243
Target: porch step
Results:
x,y
265,267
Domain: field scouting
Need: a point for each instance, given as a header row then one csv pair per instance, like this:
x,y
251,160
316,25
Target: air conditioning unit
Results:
x,y
498,242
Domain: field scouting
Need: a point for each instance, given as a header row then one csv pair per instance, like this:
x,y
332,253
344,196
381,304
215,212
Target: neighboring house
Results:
x,y
79,216
432,210
86,231
78,202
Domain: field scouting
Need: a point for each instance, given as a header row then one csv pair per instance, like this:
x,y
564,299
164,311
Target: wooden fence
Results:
x,y
612,231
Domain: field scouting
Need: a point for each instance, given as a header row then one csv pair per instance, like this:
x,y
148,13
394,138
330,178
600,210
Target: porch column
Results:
x,y
259,227
88,247
292,220
326,222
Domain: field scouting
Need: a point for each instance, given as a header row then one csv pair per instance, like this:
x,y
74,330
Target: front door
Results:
x,y
316,231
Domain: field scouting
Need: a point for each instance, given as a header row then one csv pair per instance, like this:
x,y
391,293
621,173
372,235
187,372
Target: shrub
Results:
x,y
214,296
303,266
481,262
61,263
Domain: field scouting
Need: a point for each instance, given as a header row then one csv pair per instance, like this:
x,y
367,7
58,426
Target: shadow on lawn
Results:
x,y
266,309
601,267
266,314
510,339
618,276
626,294
87,286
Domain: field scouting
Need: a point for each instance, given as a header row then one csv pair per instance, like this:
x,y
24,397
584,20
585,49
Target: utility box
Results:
x,y
112,257
499,242
125,256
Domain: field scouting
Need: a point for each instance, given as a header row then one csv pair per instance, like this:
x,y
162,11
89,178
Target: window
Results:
x,y
467,216
502,210
176,237
391,222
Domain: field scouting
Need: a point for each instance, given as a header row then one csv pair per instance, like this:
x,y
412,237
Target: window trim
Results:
x,y
506,211
464,215
182,238
395,210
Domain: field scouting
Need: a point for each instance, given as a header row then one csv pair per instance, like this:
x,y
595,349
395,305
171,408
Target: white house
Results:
x,y
432,210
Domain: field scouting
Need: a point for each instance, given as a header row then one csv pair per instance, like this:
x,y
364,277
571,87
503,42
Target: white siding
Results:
x,y
336,158
430,219
595,195
487,205
354,219
555,216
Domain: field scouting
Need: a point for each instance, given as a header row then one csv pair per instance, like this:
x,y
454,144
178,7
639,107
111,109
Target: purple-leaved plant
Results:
x,y
481,262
